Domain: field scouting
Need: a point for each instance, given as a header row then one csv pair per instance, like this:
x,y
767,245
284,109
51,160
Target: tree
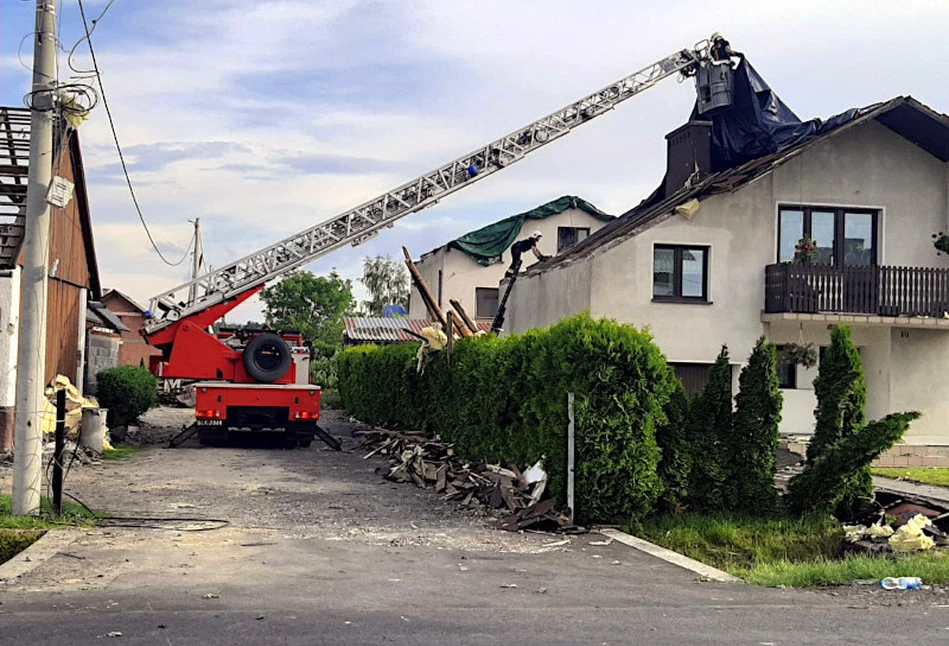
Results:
x,y
673,439
841,391
312,305
826,483
753,440
710,419
387,282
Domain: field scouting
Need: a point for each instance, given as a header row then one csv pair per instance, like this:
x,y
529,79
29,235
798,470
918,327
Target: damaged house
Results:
x,y
469,268
73,269
709,258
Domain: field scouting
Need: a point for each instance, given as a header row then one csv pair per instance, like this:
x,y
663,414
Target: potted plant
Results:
x,y
800,354
805,250
941,242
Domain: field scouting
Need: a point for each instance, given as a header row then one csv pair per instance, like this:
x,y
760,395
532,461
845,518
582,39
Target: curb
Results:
x,y
703,570
46,547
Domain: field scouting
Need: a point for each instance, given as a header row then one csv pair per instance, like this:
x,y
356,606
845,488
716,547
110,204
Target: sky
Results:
x,y
263,118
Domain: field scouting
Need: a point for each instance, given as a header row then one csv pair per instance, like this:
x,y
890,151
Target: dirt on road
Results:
x,y
231,499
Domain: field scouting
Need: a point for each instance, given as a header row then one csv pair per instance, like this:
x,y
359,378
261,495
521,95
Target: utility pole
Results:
x,y
197,257
31,354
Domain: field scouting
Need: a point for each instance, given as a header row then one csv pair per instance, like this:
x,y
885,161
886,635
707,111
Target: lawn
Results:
x,y
73,514
121,451
930,476
19,532
783,552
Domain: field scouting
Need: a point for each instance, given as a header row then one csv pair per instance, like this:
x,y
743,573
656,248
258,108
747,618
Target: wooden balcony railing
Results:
x,y
879,291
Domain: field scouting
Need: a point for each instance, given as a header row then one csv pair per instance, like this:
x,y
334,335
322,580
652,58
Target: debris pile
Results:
x,y
430,463
913,535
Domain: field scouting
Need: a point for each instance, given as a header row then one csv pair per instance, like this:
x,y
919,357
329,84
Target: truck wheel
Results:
x,y
267,358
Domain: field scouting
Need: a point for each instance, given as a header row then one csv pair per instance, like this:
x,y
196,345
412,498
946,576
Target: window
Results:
x,y
843,236
787,371
680,273
486,302
569,236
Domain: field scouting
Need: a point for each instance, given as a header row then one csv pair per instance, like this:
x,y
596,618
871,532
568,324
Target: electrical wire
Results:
x,y
118,147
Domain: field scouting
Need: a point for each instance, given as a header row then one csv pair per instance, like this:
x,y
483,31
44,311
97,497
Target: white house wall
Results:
x,y
461,274
866,166
9,326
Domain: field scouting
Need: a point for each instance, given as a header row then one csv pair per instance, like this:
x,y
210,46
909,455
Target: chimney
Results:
x,y
689,156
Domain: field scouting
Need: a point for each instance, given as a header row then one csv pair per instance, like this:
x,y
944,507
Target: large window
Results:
x,y
486,302
843,236
680,273
569,236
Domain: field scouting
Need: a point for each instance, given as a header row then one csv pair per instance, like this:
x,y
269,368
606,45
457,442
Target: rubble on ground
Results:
x,y
514,496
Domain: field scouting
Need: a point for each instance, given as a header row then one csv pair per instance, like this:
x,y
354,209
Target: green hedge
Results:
x,y
127,391
505,400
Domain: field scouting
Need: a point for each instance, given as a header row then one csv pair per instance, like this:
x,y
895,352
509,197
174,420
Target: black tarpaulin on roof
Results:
x,y
758,122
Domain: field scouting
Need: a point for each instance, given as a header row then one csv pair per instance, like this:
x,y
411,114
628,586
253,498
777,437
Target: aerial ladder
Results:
x,y
260,381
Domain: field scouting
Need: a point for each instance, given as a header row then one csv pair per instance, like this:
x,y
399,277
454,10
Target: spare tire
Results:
x,y
267,357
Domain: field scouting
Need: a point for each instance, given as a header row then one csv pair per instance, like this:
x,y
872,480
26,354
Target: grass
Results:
x,y
19,532
930,476
784,552
73,514
121,451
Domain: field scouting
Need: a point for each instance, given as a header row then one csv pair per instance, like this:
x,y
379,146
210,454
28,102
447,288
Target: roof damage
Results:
x,y
760,122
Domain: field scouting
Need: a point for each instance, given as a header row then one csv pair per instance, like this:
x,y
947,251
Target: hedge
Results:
x,y
505,400
127,391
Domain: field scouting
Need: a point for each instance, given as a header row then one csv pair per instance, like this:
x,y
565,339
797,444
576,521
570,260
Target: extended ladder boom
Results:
x,y
363,222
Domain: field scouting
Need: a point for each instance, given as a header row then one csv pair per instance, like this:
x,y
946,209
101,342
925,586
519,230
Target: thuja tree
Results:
x,y
710,419
675,463
841,391
826,481
752,440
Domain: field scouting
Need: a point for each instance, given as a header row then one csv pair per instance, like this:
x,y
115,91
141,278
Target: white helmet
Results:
x,y
536,235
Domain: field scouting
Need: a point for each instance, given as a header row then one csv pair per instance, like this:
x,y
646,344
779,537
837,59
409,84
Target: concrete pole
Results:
x,y
31,354
196,259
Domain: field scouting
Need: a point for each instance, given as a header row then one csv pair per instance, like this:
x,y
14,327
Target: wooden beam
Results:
x,y
433,309
430,304
464,316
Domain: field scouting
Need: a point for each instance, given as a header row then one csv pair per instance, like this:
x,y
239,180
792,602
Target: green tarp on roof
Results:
x,y
488,243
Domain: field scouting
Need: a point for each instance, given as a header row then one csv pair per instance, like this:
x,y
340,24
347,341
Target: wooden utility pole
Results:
x,y
31,354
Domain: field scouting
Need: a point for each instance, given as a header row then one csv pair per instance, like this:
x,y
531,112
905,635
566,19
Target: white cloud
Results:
x,y
265,117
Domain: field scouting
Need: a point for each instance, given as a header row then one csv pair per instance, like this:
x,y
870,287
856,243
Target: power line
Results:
x,y
118,147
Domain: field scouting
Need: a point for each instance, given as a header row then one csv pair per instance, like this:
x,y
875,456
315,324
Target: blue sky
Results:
x,y
263,118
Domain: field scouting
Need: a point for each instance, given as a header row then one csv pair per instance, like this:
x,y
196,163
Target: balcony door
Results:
x,y
844,237
847,239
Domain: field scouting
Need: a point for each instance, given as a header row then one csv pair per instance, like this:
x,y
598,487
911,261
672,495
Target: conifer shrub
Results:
x,y
505,400
710,420
752,440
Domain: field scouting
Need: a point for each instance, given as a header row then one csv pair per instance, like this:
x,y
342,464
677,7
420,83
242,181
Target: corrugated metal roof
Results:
x,y
377,329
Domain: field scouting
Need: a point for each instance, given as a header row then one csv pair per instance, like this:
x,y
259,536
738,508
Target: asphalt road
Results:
x,y
318,549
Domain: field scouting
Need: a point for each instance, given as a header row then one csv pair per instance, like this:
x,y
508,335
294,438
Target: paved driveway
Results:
x,y
314,548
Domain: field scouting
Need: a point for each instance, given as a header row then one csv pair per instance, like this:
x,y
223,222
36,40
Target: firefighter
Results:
x,y
522,246
722,49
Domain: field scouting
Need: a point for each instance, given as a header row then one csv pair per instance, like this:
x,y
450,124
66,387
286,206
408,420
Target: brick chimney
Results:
x,y
689,156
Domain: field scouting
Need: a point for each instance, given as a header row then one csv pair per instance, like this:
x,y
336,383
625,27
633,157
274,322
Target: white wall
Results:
x,y
866,166
920,360
9,327
461,274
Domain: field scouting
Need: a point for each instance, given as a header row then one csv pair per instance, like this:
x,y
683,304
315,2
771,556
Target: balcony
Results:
x,y
866,291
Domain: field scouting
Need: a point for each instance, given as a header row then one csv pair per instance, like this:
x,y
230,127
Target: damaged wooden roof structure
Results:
x,y
74,271
903,115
